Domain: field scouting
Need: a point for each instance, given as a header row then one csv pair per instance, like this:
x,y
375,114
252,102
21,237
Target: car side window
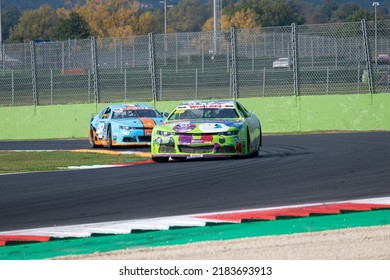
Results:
x,y
106,113
244,112
102,113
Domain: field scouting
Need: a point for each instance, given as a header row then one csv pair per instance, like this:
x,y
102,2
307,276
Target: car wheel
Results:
x,y
160,159
109,138
258,145
91,138
256,151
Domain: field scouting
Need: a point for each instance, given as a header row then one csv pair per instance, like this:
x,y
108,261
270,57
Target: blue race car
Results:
x,y
124,125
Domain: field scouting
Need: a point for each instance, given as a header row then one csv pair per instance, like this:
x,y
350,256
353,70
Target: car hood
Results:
x,y
200,126
138,122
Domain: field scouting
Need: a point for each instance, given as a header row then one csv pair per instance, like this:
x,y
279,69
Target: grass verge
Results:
x,y
12,162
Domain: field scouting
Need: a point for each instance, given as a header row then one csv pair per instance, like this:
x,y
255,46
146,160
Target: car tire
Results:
x,y
160,159
91,138
255,153
109,138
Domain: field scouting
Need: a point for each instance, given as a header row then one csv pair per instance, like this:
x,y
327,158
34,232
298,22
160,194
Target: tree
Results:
x,y
147,23
110,18
327,8
71,27
278,13
187,16
343,12
244,19
10,18
359,15
270,12
209,24
34,24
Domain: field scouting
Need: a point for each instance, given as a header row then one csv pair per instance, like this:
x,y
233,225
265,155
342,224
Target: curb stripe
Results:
x,y
4,239
198,220
292,212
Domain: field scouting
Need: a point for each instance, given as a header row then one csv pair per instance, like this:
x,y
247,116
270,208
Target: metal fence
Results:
x,y
321,59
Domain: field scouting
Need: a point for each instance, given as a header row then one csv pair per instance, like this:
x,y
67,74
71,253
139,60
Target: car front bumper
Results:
x,y
199,146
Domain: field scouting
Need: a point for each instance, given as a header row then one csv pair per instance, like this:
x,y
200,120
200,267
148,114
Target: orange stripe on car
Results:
x,y
148,125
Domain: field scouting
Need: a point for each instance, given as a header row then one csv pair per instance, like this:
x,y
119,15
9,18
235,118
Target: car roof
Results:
x,y
217,103
131,105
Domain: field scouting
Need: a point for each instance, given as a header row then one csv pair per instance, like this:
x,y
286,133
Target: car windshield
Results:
x,y
204,113
138,113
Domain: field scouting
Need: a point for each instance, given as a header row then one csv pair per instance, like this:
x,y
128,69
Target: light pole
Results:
x,y
165,23
217,15
165,17
375,4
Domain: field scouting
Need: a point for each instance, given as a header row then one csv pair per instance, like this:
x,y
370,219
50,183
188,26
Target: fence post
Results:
x,y
51,86
367,57
152,66
233,41
263,81
227,58
95,70
253,57
294,43
3,56
196,83
161,85
177,53
13,87
125,78
63,57
34,74
202,57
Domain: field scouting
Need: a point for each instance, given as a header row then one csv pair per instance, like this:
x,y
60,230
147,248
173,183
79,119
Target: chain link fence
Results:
x,y
342,58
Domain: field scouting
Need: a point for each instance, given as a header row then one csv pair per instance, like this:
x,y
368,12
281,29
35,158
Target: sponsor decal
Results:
x,y
207,139
184,127
185,139
100,130
213,127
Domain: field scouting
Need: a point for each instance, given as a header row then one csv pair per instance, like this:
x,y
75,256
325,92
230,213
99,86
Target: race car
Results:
x,y
123,125
207,129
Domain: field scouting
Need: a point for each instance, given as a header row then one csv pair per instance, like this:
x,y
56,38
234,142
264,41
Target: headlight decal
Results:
x,y
165,133
229,133
126,127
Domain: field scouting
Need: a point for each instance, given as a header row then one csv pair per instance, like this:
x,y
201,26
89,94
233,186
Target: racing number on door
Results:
x,y
100,130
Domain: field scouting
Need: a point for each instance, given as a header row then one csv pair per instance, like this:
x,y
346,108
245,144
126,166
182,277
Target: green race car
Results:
x,y
207,129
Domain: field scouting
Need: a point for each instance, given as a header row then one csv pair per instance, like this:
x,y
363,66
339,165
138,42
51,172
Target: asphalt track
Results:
x,y
290,170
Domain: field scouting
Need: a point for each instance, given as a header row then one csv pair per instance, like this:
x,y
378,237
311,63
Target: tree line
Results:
x,y
120,18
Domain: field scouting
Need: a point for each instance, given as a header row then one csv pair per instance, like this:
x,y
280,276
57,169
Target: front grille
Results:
x,y
196,150
144,138
227,150
167,150
129,139
140,139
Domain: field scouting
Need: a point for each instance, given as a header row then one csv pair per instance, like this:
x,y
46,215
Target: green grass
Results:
x,y
11,162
